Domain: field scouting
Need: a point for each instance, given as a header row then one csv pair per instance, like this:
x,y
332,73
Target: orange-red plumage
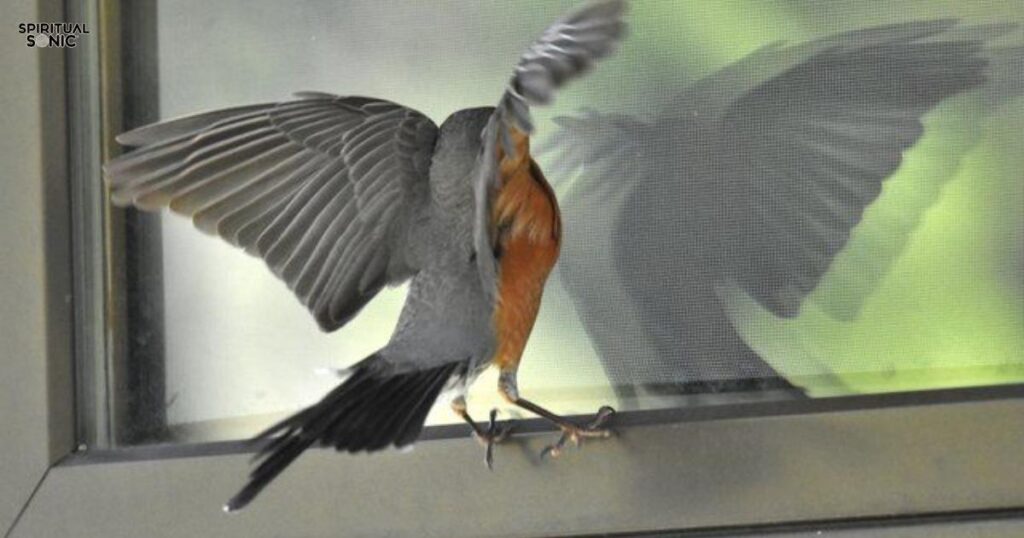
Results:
x,y
527,229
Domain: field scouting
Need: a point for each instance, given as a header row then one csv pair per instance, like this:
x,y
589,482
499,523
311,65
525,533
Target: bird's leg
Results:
x,y
575,433
489,437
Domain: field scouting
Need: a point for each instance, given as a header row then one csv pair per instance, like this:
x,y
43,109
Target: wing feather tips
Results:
x,y
237,172
373,409
157,132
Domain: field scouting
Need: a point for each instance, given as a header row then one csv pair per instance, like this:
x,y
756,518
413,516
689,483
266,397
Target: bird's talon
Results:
x,y
503,432
552,451
601,417
489,457
576,434
494,434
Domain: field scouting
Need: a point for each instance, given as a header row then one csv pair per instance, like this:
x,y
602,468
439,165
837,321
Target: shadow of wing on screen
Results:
x,y
952,132
751,179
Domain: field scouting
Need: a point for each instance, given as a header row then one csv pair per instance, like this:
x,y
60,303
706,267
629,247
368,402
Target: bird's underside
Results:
x,y
527,233
341,196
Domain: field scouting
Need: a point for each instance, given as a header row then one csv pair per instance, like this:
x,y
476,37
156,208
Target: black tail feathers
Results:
x,y
373,409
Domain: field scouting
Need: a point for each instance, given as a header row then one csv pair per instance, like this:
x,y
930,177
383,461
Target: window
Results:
x,y
909,346
924,295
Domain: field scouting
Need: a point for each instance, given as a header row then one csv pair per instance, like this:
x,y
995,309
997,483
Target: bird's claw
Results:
x,y
576,434
495,434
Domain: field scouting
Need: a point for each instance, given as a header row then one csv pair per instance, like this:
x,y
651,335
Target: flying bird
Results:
x,y
341,196
751,181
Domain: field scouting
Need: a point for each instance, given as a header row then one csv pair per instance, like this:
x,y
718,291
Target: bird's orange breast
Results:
x,y
527,236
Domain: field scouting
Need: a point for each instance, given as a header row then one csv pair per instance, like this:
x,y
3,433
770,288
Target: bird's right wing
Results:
x,y
566,50
322,188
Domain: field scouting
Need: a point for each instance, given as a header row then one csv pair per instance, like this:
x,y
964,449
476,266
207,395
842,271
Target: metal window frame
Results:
x,y
780,468
120,376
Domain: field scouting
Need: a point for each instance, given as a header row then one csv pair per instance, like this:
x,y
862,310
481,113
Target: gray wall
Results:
x,y
33,288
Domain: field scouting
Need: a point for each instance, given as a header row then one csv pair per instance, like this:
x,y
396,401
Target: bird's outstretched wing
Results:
x,y
321,187
566,50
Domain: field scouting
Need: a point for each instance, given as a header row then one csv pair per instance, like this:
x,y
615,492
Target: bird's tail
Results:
x,y
374,408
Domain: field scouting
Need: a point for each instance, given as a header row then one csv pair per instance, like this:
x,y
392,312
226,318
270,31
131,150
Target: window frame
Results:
x,y
743,468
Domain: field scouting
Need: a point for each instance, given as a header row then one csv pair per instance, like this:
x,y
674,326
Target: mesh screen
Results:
x,y
832,214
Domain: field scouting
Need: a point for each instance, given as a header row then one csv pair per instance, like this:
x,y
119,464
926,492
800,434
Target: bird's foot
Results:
x,y
574,434
494,434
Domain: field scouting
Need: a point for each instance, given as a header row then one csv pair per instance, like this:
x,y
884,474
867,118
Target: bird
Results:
x,y
344,195
749,182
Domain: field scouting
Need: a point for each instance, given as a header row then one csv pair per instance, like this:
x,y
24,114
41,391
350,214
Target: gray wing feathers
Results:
x,y
321,188
566,49
174,129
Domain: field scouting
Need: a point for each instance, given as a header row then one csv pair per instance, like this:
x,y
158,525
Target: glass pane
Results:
x,y
709,270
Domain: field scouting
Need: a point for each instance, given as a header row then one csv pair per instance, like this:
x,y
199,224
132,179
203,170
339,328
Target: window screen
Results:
x,y
777,231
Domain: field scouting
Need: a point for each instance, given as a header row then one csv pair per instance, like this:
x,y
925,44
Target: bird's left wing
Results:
x,y
321,187
566,49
